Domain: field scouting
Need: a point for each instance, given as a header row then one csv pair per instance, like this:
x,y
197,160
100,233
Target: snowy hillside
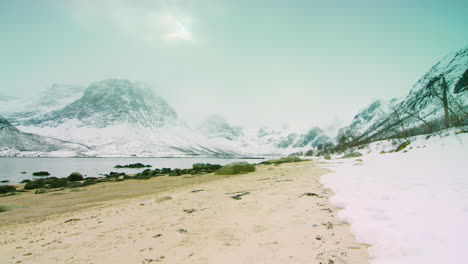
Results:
x,y
14,142
216,126
53,98
411,205
422,111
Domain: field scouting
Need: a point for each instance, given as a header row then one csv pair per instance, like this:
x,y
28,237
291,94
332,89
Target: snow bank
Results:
x,y
411,207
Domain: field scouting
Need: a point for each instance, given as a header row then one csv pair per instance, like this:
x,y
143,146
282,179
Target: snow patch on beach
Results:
x,y
411,207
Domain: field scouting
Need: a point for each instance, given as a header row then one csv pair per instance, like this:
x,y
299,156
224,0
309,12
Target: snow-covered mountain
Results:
x,y
265,141
53,98
117,117
422,110
15,142
112,102
216,126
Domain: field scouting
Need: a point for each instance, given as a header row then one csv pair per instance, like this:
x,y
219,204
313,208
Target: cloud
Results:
x,y
152,21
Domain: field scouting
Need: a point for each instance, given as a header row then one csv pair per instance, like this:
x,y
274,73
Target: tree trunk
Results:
x,y
445,103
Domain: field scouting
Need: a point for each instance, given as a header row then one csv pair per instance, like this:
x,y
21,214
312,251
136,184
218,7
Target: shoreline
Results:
x,y
273,222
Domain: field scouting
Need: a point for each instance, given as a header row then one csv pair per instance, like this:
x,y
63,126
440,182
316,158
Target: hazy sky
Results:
x,y
254,62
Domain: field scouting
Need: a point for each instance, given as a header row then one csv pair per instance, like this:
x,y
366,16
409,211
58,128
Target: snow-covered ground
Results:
x,y
411,207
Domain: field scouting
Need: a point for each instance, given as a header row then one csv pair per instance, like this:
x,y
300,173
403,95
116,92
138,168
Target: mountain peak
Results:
x,y
113,102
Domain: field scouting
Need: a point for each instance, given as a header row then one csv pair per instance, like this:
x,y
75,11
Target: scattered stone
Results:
x,y
310,194
133,166
7,188
182,230
195,191
75,176
402,146
328,225
40,191
157,235
163,199
23,172
25,181
239,196
189,211
41,173
318,237
72,220
235,168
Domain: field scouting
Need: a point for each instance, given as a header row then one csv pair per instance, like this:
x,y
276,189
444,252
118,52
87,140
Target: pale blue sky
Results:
x,y
254,62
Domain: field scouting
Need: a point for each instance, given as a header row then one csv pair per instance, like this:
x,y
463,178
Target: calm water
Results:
x,y
11,168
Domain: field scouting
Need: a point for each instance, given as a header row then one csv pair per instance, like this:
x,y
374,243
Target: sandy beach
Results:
x,y
282,215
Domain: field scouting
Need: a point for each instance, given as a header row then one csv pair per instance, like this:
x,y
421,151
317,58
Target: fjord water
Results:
x,y
11,168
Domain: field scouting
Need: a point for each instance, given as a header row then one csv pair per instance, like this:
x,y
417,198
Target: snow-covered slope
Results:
x,y
14,142
18,110
216,126
421,111
412,207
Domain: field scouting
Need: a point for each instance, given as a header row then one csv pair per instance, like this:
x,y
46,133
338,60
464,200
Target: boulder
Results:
x,y
58,183
75,176
37,184
235,168
7,188
134,165
352,155
41,173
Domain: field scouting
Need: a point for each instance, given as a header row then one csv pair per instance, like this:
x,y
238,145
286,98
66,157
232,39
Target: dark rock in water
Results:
x,y
235,168
75,176
25,181
4,181
115,174
58,183
37,184
134,165
352,155
7,188
23,172
41,173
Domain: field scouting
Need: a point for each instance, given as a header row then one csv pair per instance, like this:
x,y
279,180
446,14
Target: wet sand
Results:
x,y
183,220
